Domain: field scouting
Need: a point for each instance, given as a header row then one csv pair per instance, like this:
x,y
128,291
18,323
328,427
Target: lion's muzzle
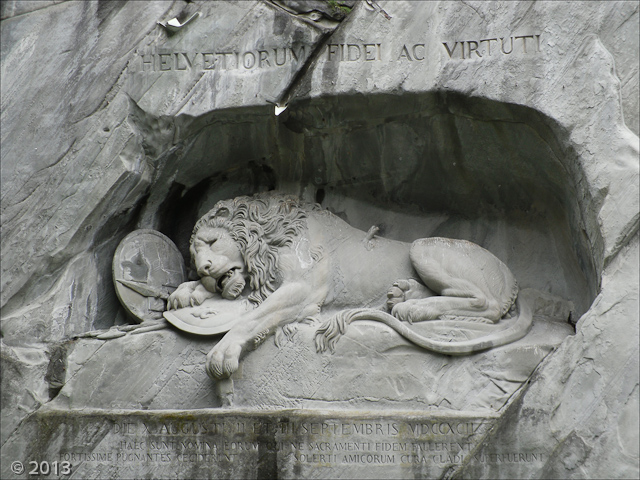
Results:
x,y
232,284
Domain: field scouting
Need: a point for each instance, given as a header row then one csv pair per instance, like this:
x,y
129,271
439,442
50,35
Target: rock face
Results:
x,y
510,124
373,368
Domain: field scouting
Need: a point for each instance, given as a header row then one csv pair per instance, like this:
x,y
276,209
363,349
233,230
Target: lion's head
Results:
x,y
241,237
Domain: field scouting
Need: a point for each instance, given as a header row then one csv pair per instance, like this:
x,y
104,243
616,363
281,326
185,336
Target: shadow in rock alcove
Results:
x,y
183,207
415,165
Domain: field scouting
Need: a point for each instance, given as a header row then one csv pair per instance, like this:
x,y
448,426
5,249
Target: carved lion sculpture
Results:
x,y
295,260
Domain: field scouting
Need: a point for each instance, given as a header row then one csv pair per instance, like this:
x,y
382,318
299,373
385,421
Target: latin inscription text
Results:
x,y
222,60
326,443
487,47
274,57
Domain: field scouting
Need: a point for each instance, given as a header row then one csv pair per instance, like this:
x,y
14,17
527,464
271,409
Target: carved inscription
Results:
x,y
353,52
227,445
487,47
222,59
274,57
417,52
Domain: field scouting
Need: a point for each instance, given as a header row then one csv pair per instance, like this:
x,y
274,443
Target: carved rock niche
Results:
x,y
503,176
414,166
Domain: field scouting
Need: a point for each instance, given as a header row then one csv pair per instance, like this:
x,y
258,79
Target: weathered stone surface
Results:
x,y
580,405
533,155
371,368
24,388
65,145
168,369
12,8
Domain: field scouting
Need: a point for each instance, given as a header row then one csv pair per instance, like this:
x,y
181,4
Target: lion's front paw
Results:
x,y
223,359
181,297
189,294
199,295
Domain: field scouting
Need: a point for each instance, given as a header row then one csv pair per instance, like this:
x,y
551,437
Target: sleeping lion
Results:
x,y
294,261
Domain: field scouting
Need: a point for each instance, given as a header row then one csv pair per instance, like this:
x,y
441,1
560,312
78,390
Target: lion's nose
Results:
x,y
205,268
213,267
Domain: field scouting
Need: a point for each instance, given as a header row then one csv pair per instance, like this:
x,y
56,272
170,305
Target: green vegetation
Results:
x,y
336,6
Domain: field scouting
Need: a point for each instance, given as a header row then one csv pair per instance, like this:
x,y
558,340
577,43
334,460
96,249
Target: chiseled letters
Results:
x,y
476,49
230,60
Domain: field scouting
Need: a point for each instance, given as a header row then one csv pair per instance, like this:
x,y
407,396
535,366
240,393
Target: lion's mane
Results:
x,y
260,225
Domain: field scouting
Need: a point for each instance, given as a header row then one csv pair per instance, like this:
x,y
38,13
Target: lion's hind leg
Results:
x,y
458,297
472,308
406,289
454,271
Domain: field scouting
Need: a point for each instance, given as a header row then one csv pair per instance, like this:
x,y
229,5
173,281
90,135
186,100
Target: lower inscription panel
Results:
x,y
242,444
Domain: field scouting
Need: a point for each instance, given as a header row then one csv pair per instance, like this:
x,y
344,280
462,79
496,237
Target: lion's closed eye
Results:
x,y
207,240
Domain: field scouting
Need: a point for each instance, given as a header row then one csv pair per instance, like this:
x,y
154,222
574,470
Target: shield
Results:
x,y
147,268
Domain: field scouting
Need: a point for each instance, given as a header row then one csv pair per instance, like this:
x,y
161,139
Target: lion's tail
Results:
x,y
331,330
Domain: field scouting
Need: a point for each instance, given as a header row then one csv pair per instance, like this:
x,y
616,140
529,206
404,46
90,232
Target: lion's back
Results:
x,y
362,269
